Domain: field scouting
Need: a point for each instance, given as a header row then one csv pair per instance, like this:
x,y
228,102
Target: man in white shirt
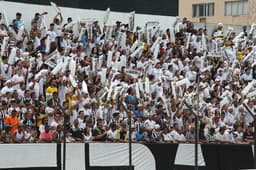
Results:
x,y
81,124
222,137
167,136
175,133
229,117
58,24
7,88
51,32
6,69
111,133
149,124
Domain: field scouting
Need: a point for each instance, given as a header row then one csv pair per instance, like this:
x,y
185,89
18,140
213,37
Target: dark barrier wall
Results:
x,y
155,7
164,155
217,157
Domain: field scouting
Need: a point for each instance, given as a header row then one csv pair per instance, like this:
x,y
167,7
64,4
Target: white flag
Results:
x,y
131,21
3,47
55,7
106,17
5,18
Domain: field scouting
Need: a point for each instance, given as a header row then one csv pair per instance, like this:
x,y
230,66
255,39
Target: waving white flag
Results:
x,y
106,17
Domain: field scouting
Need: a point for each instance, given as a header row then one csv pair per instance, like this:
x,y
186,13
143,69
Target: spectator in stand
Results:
x,y
46,135
18,19
19,135
99,132
12,122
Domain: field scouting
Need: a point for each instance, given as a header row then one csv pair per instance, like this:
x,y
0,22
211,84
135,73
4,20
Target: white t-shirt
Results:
x,y
175,135
111,134
6,89
167,137
52,35
81,124
149,124
58,30
222,137
17,78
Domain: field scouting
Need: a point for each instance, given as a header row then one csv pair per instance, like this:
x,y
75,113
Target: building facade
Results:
x,y
230,12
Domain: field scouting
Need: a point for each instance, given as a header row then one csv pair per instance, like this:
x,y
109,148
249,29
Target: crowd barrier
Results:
x,y
114,156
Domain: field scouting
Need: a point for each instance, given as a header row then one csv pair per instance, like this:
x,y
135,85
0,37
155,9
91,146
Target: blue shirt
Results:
x,y
139,136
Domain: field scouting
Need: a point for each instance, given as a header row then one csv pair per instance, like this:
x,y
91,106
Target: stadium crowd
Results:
x,y
94,78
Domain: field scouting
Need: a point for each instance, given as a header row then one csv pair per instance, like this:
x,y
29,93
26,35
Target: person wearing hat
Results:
x,y
139,111
156,134
7,87
218,33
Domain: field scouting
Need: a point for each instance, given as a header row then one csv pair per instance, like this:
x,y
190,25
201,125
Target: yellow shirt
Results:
x,y
69,100
240,55
51,89
146,47
39,119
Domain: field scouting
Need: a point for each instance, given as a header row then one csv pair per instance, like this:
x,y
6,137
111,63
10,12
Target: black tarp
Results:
x,y
224,157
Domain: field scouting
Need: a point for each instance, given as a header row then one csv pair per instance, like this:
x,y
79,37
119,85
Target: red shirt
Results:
x,y
47,136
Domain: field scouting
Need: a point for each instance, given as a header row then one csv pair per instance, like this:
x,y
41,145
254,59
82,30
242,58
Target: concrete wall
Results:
x,y
185,10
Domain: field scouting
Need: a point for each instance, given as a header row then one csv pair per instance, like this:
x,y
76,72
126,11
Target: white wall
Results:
x,y
27,155
28,11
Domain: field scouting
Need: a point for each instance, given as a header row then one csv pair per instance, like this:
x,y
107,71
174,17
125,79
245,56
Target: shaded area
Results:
x,y
164,155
